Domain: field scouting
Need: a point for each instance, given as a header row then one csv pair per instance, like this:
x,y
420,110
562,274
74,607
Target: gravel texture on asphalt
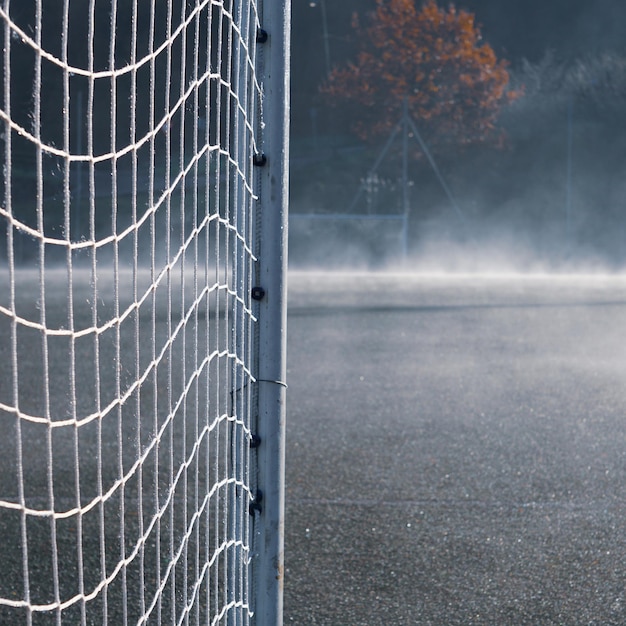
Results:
x,y
456,450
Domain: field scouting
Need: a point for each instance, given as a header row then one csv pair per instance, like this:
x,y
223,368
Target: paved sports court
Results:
x,y
456,450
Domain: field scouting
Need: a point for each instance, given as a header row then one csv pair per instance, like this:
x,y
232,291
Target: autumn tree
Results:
x,y
431,57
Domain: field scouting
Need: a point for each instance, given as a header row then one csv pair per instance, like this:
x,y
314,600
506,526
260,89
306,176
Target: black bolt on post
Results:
x,y
259,159
258,293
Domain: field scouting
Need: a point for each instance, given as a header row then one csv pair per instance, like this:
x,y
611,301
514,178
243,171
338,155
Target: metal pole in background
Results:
x,y
405,177
79,168
568,183
326,36
271,294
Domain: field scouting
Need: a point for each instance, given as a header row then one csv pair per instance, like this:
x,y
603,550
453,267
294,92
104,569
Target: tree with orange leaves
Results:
x,y
431,57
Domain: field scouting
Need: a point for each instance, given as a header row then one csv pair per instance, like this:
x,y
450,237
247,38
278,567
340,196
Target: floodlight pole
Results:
x,y
325,30
568,183
79,168
373,169
405,177
408,129
437,171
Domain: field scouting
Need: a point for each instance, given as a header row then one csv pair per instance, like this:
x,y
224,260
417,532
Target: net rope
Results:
x,y
127,238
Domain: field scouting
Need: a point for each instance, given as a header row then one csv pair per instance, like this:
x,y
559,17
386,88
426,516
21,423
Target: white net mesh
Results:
x,y
127,213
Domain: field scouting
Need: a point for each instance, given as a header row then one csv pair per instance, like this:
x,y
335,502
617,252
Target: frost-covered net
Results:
x,y
126,253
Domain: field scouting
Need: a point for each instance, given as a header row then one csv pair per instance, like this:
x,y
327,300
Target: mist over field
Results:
x,y
554,196
441,246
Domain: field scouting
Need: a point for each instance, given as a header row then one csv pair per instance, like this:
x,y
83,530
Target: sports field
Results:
x,y
456,450
456,453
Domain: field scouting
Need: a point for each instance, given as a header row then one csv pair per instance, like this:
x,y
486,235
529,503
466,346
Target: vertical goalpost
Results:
x,y
143,236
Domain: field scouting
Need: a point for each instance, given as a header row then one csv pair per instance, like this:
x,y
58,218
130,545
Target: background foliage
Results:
x,y
433,58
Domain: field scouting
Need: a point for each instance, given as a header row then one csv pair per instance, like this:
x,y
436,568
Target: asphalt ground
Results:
x,y
456,450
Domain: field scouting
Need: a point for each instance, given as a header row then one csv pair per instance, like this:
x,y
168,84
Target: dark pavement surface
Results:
x,y
456,450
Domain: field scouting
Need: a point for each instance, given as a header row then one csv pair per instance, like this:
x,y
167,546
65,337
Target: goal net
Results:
x,y
128,251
